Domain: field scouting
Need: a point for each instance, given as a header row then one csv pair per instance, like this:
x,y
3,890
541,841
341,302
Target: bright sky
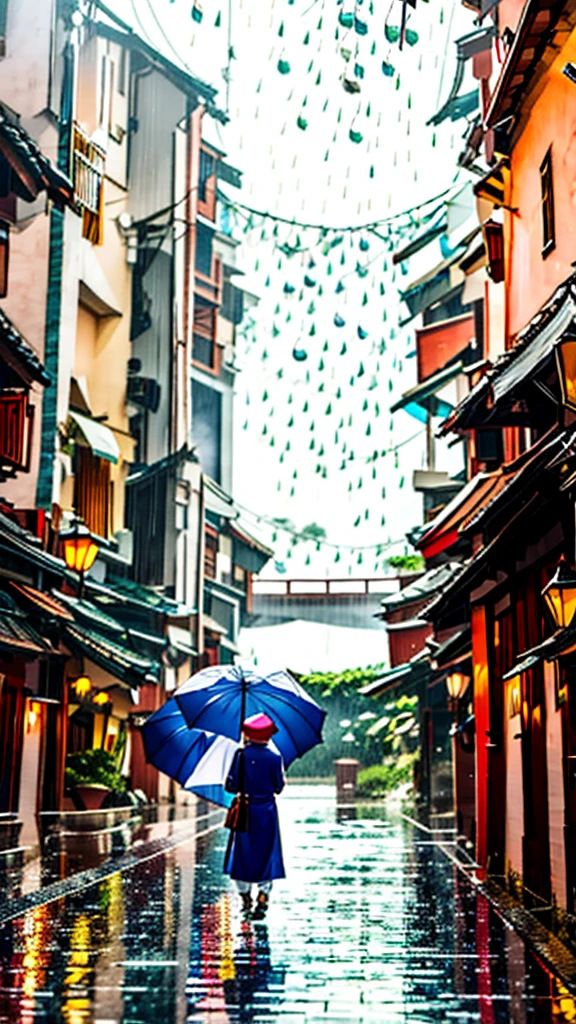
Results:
x,y
306,431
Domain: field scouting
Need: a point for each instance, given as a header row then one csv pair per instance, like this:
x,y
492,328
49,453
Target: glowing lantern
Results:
x,y
101,698
457,684
82,686
560,595
80,548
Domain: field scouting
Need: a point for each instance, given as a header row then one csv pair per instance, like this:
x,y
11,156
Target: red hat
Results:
x,y
259,728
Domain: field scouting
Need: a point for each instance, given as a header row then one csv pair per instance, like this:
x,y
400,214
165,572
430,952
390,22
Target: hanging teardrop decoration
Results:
x,y
339,320
299,354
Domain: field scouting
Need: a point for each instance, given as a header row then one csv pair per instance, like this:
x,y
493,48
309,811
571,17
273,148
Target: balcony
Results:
x,y
89,167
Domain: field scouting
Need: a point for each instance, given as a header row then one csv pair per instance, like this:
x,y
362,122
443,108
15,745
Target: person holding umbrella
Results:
x,y
254,855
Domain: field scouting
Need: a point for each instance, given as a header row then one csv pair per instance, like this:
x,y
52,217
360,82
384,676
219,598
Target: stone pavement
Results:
x,y
373,924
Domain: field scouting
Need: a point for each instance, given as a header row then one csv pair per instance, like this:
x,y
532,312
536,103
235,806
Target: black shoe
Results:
x,y
261,907
246,903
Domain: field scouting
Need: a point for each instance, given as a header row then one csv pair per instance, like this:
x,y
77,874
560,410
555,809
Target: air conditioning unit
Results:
x,y
143,391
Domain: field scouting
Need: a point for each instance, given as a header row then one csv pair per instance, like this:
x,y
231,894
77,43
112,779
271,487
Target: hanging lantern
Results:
x,y
560,595
101,698
80,548
566,362
457,683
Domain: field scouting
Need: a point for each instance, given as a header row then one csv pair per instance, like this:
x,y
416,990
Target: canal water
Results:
x,y
373,924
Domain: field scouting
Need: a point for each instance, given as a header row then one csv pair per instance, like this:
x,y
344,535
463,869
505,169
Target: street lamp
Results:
x,y
101,698
560,595
82,686
457,683
80,550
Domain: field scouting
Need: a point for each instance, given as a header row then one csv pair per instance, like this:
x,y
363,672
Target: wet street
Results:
x,y
373,924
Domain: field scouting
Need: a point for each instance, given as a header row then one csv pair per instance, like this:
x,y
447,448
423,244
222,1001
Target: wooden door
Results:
x,y
11,741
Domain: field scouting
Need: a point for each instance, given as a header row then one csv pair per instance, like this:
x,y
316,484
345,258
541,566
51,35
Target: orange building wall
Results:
x,y
552,121
509,12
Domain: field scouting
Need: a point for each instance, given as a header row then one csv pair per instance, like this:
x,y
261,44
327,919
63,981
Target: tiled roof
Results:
x,y
422,588
16,635
18,353
23,154
115,658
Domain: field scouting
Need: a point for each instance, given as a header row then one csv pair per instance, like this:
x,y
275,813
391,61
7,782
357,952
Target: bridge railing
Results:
x,y
325,588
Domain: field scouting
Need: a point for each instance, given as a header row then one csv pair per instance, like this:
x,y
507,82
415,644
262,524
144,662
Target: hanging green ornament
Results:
x,y
275,331
392,33
339,288
329,269
265,396
364,245
302,122
320,290
299,354
281,29
411,36
382,289
321,451
309,281
383,494
295,474
325,347
339,392
312,444
264,430
360,370
196,12
368,430
245,425
318,78
290,399
373,49
306,39
218,21
360,559
355,136
362,334
388,69
291,421
312,427
312,330
321,365
361,271
346,19
351,382
374,472
287,446
283,66
289,289
365,299
337,558
357,521
401,484
365,405
305,407
383,521
272,442
311,308
321,388
360,483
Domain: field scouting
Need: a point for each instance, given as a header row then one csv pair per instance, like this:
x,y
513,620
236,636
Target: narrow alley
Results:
x,y
374,923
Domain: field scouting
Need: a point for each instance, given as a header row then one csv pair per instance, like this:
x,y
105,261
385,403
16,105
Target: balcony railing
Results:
x,y
16,419
89,167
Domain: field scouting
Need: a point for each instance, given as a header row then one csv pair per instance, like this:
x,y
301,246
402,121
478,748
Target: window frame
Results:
x,y
547,204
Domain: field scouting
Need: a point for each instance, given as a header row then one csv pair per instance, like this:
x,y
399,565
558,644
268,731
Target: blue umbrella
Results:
x,y
199,761
218,699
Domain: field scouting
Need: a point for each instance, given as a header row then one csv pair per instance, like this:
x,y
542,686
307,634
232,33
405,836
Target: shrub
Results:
x,y
94,767
381,779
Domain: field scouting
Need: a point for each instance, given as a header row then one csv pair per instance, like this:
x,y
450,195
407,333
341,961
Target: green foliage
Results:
x,y
356,726
381,779
94,767
407,563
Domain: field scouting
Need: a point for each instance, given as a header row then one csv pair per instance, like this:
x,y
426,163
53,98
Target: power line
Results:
x,y
371,225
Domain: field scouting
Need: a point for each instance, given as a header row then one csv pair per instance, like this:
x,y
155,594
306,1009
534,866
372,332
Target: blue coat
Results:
x,y
256,855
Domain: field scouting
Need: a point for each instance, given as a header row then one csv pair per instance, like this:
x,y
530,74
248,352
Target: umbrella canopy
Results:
x,y
218,699
199,761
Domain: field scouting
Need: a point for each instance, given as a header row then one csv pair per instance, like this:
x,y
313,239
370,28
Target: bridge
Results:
x,y
337,602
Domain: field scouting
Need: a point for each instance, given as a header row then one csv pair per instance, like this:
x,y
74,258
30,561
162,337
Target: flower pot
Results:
x,y
91,795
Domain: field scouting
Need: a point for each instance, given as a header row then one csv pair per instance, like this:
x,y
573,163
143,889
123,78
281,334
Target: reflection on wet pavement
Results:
x,y
374,924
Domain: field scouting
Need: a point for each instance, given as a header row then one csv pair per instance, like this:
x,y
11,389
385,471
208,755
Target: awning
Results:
x,y
535,344
475,42
457,648
19,355
88,613
563,642
121,590
98,436
117,659
423,399
217,501
435,285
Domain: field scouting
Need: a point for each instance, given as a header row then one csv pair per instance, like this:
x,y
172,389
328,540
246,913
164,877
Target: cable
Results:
x,y
279,525
237,205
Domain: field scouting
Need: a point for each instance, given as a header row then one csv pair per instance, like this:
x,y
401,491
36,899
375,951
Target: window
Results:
x,y
204,340
3,25
204,237
207,427
232,303
547,191
210,553
122,73
207,184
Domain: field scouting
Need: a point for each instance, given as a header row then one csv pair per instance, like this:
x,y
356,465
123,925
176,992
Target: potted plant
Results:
x,y
91,775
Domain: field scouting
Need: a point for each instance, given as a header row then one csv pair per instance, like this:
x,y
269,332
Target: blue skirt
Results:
x,y
256,855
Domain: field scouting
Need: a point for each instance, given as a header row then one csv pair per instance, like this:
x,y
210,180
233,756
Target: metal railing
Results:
x,y
89,169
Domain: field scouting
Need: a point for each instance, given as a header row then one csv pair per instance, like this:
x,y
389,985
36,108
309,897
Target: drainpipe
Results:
x,y
48,442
